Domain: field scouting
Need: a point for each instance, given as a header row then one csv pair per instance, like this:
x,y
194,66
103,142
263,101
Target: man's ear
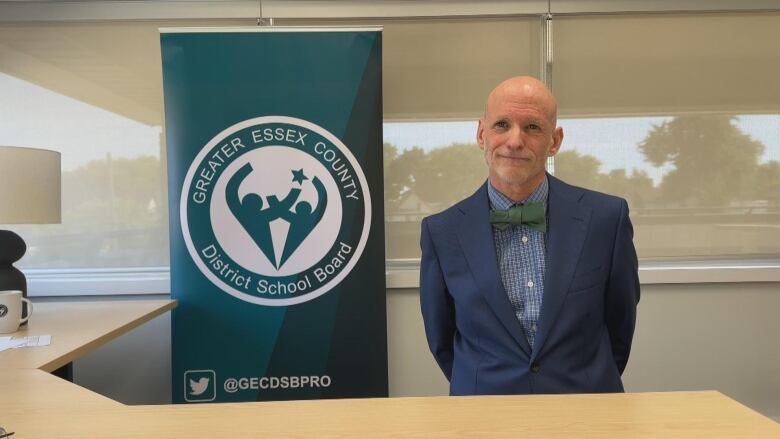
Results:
x,y
481,134
557,141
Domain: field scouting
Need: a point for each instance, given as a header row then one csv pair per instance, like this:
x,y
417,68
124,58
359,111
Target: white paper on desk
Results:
x,y
24,342
10,343
35,340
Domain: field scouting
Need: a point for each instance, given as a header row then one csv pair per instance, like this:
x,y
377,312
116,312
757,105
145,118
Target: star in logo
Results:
x,y
298,176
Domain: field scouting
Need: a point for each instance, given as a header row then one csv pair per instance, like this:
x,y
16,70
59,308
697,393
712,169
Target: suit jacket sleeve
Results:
x,y
622,293
436,303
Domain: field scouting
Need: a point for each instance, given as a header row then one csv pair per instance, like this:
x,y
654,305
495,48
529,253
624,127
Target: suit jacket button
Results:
x,y
536,367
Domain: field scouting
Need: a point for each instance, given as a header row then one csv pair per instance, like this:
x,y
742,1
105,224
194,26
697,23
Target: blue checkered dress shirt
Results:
x,y
521,254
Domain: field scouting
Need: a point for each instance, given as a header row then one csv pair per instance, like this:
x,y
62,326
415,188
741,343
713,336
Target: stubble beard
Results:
x,y
517,176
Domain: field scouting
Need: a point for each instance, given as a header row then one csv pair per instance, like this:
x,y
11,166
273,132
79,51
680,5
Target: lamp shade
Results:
x,y
30,186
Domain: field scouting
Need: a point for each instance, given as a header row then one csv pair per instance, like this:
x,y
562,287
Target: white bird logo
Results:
x,y
198,387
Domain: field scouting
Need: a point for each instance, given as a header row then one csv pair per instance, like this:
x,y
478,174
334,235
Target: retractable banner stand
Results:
x,y
274,140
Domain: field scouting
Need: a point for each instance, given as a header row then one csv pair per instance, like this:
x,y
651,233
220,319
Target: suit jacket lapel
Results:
x,y
567,228
476,237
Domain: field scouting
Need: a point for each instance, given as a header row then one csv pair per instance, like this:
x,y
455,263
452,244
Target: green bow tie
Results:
x,y
529,214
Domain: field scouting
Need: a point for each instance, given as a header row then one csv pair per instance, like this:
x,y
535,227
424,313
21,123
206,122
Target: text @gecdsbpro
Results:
x,y
232,385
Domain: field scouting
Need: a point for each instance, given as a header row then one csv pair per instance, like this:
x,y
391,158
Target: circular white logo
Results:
x,y
275,210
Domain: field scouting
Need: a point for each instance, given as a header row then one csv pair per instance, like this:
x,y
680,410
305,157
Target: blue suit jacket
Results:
x,y
588,309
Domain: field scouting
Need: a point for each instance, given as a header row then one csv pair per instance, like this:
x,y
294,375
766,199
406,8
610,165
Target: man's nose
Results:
x,y
515,138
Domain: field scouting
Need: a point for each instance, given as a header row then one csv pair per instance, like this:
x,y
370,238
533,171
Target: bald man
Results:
x,y
530,285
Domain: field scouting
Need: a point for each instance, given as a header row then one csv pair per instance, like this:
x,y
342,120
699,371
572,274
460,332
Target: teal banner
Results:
x,y
274,146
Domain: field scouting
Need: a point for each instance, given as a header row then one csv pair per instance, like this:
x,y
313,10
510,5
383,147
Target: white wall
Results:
x,y
710,336
689,337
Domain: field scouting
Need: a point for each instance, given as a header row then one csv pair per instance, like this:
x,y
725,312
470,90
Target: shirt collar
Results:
x,y
500,201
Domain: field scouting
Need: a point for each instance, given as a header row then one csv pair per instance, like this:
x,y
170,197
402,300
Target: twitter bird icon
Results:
x,y
199,385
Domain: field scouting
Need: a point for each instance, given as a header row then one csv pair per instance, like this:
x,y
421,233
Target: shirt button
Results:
x,y
530,284
524,239
536,367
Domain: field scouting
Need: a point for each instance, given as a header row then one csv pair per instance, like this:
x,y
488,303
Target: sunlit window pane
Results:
x,y
680,114
92,91
429,166
699,186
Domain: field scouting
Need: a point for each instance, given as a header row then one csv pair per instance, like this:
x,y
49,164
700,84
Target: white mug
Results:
x,y
11,311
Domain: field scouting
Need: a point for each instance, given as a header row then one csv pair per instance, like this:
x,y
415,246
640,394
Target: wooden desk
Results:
x,y
671,415
78,328
35,404
29,390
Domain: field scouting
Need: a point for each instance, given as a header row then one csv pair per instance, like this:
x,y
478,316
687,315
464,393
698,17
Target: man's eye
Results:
x,y
501,124
534,127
